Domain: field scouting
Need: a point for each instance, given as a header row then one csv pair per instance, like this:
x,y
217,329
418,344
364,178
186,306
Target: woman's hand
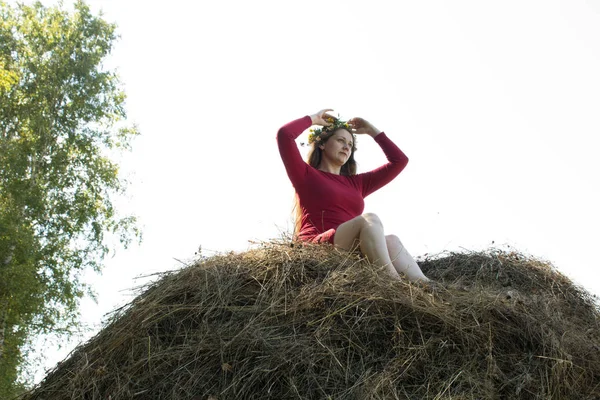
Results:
x,y
322,117
362,126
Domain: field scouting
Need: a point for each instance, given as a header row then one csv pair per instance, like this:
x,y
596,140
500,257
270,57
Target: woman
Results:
x,y
330,194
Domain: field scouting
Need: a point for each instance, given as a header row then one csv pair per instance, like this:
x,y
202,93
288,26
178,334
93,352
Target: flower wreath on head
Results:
x,y
316,135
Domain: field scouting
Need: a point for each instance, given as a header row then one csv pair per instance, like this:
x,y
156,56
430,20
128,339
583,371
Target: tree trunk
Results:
x,y
4,305
3,311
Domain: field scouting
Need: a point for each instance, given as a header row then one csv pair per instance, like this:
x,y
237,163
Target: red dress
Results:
x,y
328,200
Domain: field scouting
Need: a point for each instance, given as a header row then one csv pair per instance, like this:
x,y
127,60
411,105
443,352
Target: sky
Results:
x,y
496,105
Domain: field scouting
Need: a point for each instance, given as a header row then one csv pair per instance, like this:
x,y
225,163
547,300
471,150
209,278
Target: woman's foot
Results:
x,y
429,285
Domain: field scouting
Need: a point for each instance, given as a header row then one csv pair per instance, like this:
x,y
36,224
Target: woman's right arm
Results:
x,y
295,167
286,140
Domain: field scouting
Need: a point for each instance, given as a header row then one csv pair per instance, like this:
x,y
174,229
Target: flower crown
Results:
x,y
316,135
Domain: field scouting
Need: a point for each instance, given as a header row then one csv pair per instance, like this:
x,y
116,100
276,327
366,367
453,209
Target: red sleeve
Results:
x,y
286,140
397,160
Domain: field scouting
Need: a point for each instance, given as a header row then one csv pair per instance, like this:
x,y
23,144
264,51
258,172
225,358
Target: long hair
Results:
x,y
315,155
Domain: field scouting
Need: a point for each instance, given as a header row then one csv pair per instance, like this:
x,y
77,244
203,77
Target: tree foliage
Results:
x,y
61,117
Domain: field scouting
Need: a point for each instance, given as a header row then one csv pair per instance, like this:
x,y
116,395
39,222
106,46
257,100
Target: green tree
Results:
x,y
62,116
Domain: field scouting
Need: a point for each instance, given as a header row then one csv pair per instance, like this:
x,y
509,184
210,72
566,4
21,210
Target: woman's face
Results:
x,y
338,147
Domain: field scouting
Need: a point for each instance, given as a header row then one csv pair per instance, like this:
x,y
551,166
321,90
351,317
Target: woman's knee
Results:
x,y
372,219
352,230
393,241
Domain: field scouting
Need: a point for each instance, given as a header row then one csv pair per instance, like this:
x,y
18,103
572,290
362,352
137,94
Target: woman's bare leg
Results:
x,y
368,230
403,261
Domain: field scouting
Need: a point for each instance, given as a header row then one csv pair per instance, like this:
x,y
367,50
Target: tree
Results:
x,y
61,117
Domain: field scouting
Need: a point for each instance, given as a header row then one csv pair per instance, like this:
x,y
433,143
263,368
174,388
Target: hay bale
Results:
x,y
309,322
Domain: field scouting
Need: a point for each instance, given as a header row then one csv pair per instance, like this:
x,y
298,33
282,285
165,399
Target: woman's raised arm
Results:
x,y
286,140
397,160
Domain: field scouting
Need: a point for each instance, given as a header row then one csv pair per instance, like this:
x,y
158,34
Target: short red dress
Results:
x,y
327,200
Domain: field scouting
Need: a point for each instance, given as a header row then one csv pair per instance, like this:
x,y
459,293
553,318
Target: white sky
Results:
x,y
495,103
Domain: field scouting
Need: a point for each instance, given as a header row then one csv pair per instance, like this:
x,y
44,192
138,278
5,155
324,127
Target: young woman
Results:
x,y
330,195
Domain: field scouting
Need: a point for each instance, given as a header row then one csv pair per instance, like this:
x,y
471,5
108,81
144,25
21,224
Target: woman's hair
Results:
x,y
315,155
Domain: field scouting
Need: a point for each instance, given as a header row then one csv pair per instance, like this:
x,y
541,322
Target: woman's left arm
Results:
x,y
397,160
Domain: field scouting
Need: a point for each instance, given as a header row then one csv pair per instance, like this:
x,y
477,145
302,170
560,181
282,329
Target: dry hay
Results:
x,y
308,322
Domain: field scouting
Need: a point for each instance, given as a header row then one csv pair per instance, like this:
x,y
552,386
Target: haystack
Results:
x,y
287,321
